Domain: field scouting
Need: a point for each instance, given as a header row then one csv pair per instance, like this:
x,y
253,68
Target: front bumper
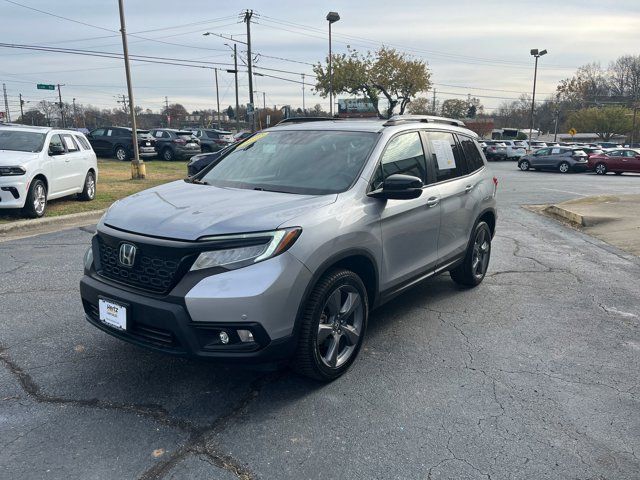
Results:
x,y
13,191
262,298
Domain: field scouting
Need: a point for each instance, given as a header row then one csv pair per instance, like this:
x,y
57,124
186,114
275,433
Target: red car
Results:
x,y
617,161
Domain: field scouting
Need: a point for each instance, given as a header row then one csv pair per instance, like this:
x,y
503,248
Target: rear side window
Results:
x,y
404,154
70,143
447,156
471,154
83,141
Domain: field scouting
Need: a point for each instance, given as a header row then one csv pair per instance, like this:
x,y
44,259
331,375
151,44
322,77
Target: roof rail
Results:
x,y
400,119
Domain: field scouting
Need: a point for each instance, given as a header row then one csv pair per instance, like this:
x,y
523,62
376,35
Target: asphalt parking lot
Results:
x,y
534,374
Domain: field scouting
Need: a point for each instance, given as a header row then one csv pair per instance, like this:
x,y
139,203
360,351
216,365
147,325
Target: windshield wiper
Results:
x,y
262,189
195,180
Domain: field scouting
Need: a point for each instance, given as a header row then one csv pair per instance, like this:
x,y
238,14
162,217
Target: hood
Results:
x,y
12,158
187,211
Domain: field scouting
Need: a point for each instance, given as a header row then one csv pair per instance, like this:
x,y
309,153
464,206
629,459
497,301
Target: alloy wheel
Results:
x,y
601,169
121,154
481,253
340,326
91,186
524,165
39,199
564,167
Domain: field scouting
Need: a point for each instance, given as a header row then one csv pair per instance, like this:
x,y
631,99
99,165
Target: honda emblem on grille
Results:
x,y
127,255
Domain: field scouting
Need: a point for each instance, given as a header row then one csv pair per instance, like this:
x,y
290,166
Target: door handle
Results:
x,y
432,202
468,188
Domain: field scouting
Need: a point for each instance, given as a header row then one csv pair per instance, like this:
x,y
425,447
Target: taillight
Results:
x,y
181,141
495,182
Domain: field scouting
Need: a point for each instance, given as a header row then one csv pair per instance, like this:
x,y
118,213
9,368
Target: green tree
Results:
x,y
454,108
420,106
386,73
605,121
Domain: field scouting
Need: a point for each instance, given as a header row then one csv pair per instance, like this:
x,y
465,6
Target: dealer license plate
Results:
x,y
113,314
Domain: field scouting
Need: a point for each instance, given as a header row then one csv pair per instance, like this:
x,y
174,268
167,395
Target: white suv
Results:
x,y
38,164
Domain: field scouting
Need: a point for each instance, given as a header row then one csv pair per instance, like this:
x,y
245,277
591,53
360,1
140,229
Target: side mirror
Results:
x,y
56,150
89,135
399,187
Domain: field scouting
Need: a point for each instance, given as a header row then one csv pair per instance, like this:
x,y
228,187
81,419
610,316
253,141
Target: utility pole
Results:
x,y
21,110
235,66
138,169
7,113
218,99
247,19
556,114
303,107
166,104
434,101
61,105
75,114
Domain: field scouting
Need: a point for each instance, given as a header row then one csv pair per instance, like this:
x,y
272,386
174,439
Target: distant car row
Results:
x,y
581,159
164,143
516,149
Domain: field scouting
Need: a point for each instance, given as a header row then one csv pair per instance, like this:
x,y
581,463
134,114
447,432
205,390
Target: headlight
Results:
x,y
248,248
88,258
12,171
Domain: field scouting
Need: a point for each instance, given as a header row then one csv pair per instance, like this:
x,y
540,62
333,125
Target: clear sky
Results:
x,y
481,48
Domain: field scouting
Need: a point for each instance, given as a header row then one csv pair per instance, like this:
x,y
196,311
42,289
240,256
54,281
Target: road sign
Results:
x,y
44,86
249,108
572,131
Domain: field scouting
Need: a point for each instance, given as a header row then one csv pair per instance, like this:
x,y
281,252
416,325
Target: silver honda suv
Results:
x,y
280,250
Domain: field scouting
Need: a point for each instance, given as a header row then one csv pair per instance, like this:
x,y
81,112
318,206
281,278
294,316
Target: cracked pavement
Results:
x,y
534,374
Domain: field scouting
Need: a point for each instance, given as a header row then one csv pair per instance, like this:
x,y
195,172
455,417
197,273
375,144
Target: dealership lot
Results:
x,y
533,374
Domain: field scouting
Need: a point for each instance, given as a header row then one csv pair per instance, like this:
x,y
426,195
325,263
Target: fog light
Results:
x,y
224,337
245,335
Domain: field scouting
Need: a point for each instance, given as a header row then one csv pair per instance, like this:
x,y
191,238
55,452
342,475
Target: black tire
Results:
x,y
89,190
35,205
523,165
167,155
468,273
600,169
310,360
564,167
121,153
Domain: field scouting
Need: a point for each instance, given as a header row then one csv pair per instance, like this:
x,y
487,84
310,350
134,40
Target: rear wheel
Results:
x,y
600,169
333,326
564,167
36,203
167,154
524,165
474,267
121,154
89,191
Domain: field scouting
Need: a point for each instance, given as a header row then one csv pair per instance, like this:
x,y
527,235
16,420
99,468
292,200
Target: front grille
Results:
x,y
156,269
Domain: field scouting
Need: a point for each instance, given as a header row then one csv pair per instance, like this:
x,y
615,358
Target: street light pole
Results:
x,y
304,110
332,17
537,54
218,98
138,169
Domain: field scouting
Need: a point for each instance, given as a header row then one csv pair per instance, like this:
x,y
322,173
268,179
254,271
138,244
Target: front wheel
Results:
x,y
474,267
601,169
36,203
524,165
332,327
564,167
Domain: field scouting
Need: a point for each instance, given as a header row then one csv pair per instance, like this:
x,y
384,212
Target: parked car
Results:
x,y
617,161
536,144
496,150
116,142
515,149
212,140
281,250
563,159
202,160
609,145
592,150
241,136
172,144
38,164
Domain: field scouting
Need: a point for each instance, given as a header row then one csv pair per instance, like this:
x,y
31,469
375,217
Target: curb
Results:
x,y
573,217
36,224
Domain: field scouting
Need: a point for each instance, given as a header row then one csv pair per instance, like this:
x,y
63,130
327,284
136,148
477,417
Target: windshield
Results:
x,y
19,141
304,162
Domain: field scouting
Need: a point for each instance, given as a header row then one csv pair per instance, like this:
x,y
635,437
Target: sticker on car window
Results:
x,y
444,154
252,140
69,143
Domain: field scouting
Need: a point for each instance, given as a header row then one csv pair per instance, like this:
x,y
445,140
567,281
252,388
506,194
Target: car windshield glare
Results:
x,y
20,141
303,162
